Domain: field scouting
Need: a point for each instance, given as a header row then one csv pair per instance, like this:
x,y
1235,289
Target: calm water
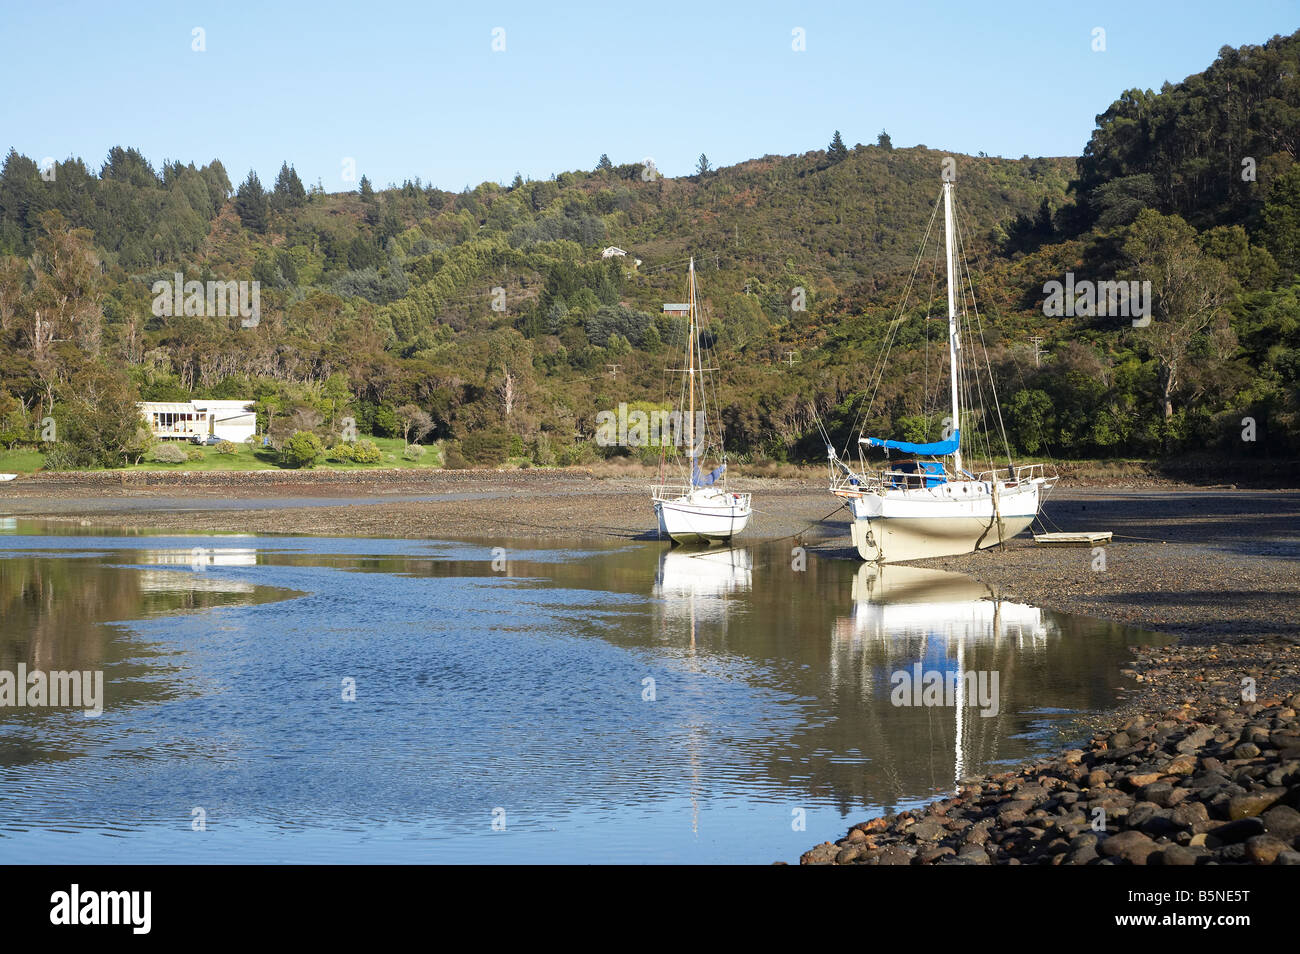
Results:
x,y
516,693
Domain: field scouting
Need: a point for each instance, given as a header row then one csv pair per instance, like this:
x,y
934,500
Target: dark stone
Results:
x,y
1237,831
1132,846
1233,854
929,829
1282,821
930,855
1252,803
1140,813
1159,793
1264,849
1087,840
1195,740
1177,855
1192,816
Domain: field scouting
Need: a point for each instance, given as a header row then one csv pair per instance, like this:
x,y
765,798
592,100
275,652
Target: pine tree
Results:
x,y
604,165
702,167
252,205
289,192
883,140
366,190
837,151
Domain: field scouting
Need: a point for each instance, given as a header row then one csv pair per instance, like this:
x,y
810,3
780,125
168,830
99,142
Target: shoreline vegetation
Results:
x,y
1185,770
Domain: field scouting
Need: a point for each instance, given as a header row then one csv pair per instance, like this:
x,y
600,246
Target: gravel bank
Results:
x,y
1207,783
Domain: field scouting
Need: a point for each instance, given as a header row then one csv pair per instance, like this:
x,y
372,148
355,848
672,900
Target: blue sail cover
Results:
x,y
706,480
938,447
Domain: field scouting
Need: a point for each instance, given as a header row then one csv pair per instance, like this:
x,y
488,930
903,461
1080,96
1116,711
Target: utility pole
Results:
x,y
1036,339
790,356
613,369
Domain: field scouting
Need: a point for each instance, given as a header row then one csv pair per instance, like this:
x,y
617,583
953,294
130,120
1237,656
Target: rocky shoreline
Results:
x,y
1198,776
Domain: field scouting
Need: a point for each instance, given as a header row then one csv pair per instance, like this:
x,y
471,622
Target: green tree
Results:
x,y
702,167
252,205
883,140
1281,220
1188,289
302,449
837,151
98,422
289,192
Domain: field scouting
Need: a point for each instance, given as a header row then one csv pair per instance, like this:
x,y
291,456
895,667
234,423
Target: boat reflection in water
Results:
x,y
197,559
909,621
696,585
691,582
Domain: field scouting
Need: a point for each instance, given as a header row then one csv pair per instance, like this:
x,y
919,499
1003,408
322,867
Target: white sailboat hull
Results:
x,y
702,517
952,518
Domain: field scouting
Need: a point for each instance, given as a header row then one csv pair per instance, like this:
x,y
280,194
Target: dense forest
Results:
x,y
491,321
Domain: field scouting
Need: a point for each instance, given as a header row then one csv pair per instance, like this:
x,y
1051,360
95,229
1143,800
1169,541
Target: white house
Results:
x,y
233,421
612,251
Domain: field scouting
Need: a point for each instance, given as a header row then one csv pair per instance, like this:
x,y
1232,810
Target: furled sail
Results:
x,y
938,447
706,480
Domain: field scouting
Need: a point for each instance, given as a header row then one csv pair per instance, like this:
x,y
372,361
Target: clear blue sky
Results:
x,y
414,88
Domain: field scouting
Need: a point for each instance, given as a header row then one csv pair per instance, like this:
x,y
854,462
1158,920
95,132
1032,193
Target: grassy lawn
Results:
x,y
247,458
20,461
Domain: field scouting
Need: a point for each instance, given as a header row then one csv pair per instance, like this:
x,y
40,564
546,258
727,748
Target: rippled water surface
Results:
x,y
536,704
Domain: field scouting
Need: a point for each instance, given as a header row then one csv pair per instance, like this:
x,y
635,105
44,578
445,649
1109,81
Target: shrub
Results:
x,y
168,454
486,448
366,452
227,448
194,453
452,458
579,453
341,453
302,449
544,454
413,451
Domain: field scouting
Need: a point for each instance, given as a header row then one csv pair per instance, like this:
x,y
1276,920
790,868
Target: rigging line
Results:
x,y
887,345
1024,386
992,384
892,330
796,535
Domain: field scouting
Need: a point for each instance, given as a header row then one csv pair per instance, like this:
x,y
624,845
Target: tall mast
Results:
x,y
953,344
690,375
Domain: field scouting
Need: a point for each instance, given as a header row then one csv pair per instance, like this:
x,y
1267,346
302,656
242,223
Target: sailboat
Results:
x,y
927,504
698,507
